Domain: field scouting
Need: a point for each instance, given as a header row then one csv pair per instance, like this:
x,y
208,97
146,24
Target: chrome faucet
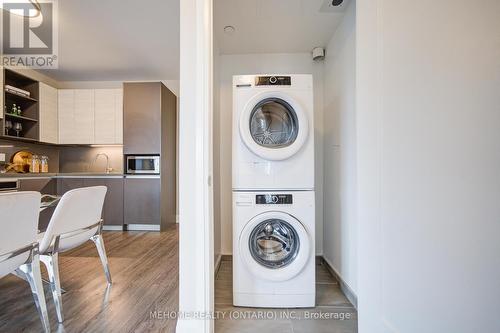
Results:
x,y
108,169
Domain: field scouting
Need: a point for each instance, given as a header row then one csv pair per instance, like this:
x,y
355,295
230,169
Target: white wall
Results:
x,y
340,226
296,63
196,265
216,155
428,117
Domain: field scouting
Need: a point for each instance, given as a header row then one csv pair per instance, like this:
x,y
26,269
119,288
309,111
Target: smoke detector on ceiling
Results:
x,y
334,6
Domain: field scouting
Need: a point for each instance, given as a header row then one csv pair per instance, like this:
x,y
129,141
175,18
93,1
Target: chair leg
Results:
x,y
99,243
34,277
51,261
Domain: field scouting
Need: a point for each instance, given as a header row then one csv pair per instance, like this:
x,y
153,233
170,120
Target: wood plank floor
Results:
x,y
333,312
144,268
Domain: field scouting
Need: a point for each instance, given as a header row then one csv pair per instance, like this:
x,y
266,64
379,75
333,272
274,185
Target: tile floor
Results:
x,y
330,302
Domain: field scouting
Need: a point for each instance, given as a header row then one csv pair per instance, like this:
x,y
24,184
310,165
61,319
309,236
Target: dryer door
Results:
x,y
275,246
273,126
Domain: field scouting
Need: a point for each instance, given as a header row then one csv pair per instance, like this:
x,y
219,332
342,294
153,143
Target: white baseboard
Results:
x,y
112,227
349,293
142,227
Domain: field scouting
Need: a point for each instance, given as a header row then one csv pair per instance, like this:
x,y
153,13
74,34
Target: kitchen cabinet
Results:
x,y
1,94
66,107
142,117
84,116
27,102
76,116
142,203
112,212
44,185
90,116
49,126
67,184
150,127
108,116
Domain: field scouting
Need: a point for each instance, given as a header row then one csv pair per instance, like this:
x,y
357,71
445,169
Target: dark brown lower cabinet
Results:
x,y
142,204
112,212
44,186
67,184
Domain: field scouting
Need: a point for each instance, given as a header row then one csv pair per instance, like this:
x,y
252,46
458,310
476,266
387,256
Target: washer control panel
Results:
x,y
274,199
273,81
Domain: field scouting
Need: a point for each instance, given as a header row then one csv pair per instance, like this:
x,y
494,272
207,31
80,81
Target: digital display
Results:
x,y
273,81
273,199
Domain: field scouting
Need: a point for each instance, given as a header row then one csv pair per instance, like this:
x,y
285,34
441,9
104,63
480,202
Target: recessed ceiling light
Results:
x,y
229,29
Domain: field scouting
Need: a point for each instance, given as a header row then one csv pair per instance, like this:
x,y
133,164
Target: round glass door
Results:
x,y
274,243
273,123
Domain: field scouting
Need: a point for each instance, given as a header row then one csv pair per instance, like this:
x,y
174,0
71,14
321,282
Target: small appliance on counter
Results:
x,y
142,164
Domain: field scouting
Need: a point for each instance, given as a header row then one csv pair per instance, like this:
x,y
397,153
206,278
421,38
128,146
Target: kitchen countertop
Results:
x,y
63,175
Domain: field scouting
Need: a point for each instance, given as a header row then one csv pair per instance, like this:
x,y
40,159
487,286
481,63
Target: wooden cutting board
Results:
x,y
21,161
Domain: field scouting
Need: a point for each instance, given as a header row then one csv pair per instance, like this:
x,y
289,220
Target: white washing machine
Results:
x,y
273,132
273,249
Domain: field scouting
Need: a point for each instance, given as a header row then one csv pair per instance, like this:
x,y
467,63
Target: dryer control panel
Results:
x,y
274,199
273,81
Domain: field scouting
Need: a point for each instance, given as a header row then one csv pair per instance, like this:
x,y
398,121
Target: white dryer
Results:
x,y
273,132
273,249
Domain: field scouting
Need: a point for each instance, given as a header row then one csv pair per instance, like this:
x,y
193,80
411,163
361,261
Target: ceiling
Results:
x,y
273,26
117,40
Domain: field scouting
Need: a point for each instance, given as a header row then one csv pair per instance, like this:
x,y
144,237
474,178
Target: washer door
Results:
x,y
273,126
275,246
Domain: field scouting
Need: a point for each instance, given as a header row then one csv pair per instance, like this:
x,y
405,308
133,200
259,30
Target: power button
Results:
x,y
273,79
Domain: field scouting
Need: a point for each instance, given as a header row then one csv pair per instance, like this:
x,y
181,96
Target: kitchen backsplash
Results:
x,y
79,159
9,148
69,158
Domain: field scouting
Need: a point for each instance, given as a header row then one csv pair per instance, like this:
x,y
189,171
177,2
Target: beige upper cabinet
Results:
x,y
108,116
48,114
76,116
90,116
118,116
66,108
84,116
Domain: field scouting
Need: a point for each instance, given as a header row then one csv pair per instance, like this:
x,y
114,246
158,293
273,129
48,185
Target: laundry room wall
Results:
x,y
216,153
340,225
235,64
428,124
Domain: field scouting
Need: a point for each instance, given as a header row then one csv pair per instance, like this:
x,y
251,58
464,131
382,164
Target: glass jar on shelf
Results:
x,y
44,164
35,164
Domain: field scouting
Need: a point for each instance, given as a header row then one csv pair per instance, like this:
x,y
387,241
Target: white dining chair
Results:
x,y
19,251
76,219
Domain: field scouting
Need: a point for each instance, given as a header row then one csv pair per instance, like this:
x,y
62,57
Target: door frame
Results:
x,y
196,245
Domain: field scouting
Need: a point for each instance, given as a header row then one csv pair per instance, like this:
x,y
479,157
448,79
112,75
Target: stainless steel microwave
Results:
x,y
143,164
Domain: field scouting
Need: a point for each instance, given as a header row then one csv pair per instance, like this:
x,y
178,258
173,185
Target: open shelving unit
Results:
x,y
30,115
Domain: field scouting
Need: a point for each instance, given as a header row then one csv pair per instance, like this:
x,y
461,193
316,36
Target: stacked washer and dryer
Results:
x,y
273,191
